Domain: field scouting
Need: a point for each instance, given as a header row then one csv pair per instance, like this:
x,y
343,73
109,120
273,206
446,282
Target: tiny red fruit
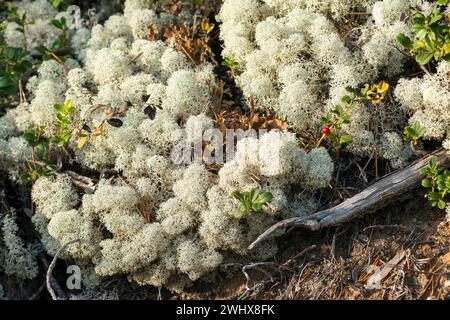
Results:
x,y
325,131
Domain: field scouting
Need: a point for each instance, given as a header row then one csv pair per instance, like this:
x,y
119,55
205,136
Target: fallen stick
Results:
x,y
374,197
49,276
82,182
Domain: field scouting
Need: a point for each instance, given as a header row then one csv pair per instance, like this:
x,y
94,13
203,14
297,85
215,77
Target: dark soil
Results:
x,y
334,263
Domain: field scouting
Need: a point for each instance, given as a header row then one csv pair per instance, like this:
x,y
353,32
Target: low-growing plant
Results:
x,y
332,129
413,133
251,201
60,46
334,120
431,38
193,40
62,40
13,64
438,184
229,63
20,20
63,115
38,165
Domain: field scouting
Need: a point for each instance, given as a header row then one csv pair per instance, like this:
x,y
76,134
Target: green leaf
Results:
x,y
435,17
240,212
5,82
238,195
345,138
58,107
426,183
424,58
446,48
432,163
265,197
55,140
418,129
252,195
41,49
421,33
71,110
350,89
434,196
10,53
57,24
346,99
404,41
257,207
29,136
27,64
441,204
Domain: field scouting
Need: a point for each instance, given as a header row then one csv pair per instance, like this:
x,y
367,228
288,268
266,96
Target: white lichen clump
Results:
x,y
157,222
16,258
166,224
427,100
293,60
39,30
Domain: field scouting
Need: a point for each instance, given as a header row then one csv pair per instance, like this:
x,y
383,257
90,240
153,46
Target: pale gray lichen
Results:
x,y
18,259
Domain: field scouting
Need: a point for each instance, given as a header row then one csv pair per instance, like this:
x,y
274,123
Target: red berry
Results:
x,y
325,131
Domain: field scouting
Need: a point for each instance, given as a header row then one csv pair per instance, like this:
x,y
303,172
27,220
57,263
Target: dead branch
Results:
x,y
54,284
49,276
82,182
375,197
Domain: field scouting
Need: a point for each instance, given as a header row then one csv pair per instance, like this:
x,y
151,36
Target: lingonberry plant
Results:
x,y
63,115
431,38
60,44
437,181
38,165
334,120
13,63
62,40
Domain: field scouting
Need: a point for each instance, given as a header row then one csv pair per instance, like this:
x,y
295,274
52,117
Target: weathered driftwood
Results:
x,y
367,201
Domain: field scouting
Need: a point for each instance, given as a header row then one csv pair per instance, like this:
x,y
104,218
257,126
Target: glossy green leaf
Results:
x,y
424,58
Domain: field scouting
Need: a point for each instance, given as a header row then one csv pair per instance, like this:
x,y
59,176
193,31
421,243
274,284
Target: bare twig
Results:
x,y
52,266
81,181
37,294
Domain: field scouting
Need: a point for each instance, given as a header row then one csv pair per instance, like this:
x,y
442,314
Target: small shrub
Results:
x,y
413,133
438,184
334,120
63,114
252,201
37,166
431,38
